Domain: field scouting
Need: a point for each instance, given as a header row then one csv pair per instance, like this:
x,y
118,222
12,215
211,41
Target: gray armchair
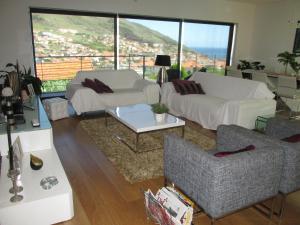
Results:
x,y
221,186
290,180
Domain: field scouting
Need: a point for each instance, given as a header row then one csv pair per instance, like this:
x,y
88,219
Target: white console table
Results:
x,y
39,206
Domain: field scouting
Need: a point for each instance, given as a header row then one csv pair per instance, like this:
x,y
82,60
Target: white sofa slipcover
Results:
x,y
227,100
129,88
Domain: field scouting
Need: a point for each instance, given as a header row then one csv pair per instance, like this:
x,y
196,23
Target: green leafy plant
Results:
x,y
25,77
289,59
245,65
184,73
159,108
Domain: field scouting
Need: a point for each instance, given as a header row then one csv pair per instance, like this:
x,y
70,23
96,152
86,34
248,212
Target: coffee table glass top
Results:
x,y
140,118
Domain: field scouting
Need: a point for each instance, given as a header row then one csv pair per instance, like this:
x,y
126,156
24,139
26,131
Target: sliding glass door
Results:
x,y
66,42
205,46
140,40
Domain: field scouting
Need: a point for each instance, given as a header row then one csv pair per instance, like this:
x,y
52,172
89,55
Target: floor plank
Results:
x,y
102,195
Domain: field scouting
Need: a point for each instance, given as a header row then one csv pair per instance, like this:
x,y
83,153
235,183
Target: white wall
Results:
x,y
15,34
274,31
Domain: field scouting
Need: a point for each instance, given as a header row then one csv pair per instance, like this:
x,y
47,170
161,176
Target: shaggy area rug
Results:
x,y
142,166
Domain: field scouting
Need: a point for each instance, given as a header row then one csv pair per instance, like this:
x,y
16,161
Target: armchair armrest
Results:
x,y
282,128
233,137
217,184
150,89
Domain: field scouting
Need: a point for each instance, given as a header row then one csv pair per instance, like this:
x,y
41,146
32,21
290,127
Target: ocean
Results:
x,y
219,53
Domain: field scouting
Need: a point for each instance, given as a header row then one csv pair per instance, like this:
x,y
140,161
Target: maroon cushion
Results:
x,y
185,87
292,139
223,154
91,84
103,87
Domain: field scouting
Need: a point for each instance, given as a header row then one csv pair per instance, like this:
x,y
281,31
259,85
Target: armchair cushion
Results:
x,y
185,87
292,139
91,84
227,153
100,85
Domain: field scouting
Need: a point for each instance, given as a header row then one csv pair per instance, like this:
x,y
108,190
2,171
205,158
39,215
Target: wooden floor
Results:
x,y
103,196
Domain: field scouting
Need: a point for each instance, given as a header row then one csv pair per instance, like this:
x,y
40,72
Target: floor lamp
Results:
x,y
163,61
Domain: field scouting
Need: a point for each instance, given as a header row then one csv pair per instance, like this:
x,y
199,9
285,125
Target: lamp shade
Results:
x,y
163,60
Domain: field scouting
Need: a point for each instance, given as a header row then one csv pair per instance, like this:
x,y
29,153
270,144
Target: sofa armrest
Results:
x,y
282,128
217,184
150,89
167,90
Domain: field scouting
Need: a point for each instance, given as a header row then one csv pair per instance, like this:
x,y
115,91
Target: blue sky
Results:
x,y
195,35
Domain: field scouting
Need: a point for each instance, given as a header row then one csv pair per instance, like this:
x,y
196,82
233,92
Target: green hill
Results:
x,y
92,31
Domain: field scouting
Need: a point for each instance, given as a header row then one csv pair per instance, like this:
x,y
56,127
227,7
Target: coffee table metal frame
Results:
x,y
137,134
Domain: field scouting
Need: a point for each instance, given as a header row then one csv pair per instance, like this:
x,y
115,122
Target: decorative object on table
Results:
x,y
15,189
163,61
35,162
289,59
159,111
18,154
7,93
24,77
48,182
296,48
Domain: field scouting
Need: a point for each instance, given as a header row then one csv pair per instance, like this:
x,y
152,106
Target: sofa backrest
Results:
x,y
230,87
115,79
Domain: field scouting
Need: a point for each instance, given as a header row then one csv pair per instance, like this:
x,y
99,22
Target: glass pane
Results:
x,y
66,44
141,40
205,46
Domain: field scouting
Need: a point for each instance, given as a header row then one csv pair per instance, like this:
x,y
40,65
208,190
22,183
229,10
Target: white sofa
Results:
x,y
129,88
227,100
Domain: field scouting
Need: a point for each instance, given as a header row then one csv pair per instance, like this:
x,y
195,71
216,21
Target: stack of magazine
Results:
x,y
168,207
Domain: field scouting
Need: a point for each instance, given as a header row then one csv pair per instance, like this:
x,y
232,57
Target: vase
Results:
x,y
160,117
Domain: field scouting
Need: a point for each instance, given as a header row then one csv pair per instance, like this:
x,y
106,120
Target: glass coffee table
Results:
x,y
140,119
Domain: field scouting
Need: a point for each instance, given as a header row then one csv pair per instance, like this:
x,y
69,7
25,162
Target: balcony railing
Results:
x,y
56,71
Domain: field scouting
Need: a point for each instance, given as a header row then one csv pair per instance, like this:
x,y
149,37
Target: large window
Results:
x,y
69,41
140,40
65,44
205,46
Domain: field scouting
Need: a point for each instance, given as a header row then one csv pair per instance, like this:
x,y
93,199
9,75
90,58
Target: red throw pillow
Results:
x,y
185,87
91,84
223,154
292,139
103,87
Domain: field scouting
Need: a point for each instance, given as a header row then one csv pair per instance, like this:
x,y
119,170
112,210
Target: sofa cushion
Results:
x,y
120,97
185,87
115,79
227,153
103,87
91,84
292,139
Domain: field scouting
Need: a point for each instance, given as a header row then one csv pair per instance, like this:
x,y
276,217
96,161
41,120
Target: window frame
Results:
x,y
117,16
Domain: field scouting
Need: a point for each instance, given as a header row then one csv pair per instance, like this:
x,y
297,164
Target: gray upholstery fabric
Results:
x,y
278,129
223,185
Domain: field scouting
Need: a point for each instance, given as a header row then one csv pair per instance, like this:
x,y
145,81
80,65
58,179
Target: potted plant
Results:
x,y
245,65
289,59
25,77
159,111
